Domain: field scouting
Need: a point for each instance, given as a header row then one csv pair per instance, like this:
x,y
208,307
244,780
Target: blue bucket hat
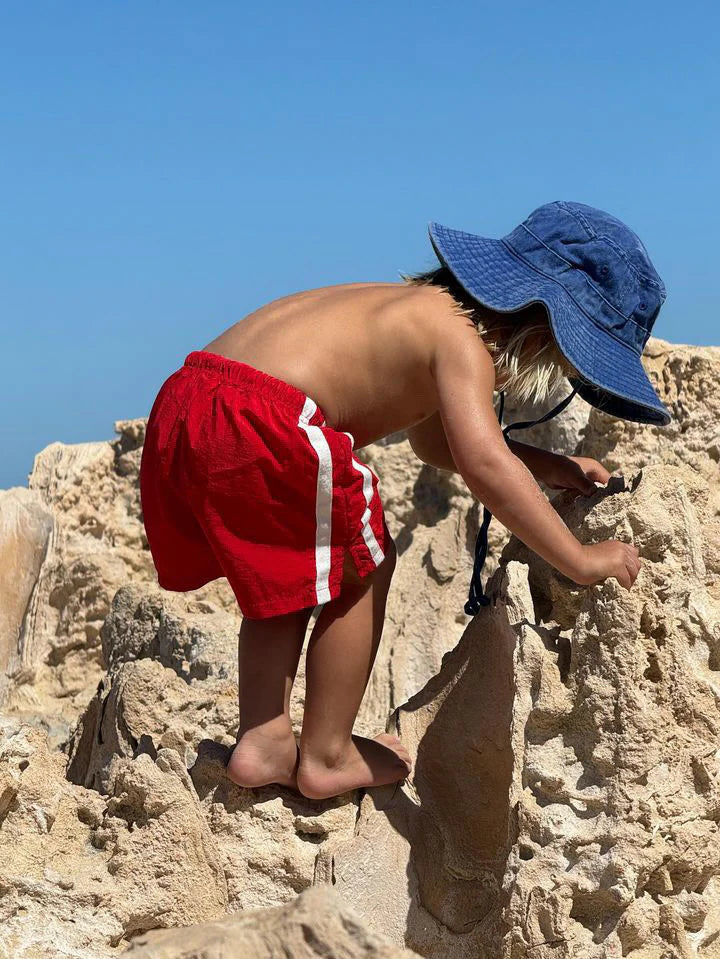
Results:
x,y
596,280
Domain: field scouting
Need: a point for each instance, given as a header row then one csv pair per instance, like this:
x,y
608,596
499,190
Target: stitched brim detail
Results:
x,y
613,377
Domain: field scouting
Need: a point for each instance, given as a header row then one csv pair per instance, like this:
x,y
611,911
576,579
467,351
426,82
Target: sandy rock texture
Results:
x,y
563,801
88,540
565,794
686,378
317,925
26,530
81,872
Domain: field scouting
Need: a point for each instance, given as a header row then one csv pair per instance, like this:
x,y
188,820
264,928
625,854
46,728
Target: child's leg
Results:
x,y
340,656
268,654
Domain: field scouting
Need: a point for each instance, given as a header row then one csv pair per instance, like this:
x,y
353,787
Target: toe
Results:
x,y
387,739
405,765
397,746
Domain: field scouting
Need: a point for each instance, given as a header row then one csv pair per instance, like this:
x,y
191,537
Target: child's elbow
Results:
x,y
485,474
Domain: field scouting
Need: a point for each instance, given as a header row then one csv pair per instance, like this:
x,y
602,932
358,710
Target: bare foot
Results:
x,y
262,757
363,763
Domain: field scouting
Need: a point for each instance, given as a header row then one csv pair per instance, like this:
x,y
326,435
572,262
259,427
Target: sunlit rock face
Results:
x,y
564,798
316,925
565,789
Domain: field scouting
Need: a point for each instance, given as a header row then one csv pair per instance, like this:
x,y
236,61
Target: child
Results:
x,y
248,469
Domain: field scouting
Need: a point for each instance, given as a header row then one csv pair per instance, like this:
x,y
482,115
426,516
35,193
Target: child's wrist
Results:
x,y
578,568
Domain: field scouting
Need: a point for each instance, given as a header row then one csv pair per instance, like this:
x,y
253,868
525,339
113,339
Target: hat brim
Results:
x,y
613,378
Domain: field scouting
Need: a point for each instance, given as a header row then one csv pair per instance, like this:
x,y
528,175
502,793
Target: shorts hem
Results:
x,y
173,587
361,555
284,607
364,563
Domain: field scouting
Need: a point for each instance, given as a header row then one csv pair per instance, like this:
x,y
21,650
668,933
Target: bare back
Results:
x,y
362,351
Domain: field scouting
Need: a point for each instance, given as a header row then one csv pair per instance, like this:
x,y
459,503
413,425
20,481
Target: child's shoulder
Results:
x,y
430,309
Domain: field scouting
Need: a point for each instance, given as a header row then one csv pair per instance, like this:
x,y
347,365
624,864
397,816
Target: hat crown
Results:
x,y
599,260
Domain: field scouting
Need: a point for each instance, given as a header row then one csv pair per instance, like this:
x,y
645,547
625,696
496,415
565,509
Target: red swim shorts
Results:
x,y
241,477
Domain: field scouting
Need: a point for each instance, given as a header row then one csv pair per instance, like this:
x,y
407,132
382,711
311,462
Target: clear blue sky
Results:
x,y
169,166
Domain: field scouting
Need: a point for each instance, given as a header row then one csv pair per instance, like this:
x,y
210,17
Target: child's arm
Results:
x,y
465,377
430,445
557,471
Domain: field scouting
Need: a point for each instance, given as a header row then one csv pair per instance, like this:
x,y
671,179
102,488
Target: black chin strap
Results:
x,y
476,594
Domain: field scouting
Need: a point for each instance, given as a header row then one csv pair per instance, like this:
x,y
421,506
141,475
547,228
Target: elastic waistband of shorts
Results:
x,y
251,379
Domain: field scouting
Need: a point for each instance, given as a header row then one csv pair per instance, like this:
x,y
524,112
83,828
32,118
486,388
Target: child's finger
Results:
x,y
598,473
583,483
624,578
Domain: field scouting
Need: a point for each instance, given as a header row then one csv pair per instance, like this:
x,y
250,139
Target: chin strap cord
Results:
x,y
476,594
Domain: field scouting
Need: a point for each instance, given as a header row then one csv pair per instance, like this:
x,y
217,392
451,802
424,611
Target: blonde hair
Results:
x,y
522,345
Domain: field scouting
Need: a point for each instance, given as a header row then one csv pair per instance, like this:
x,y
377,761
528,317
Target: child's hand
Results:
x,y
612,558
572,472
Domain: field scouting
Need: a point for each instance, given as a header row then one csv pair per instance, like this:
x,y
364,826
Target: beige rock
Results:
x,y
317,925
26,529
564,797
433,519
686,377
161,852
427,861
143,706
55,887
272,842
80,873
98,544
564,801
187,632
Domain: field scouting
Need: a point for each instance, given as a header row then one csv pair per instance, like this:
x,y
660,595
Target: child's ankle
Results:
x,y
276,729
264,754
331,755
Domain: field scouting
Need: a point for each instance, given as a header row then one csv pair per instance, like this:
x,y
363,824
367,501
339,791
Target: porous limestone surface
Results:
x,y
89,492
565,792
564,796
81,872
317,925
686,377
26,530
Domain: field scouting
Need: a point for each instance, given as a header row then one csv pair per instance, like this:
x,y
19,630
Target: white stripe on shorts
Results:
x,y
323,501
367,533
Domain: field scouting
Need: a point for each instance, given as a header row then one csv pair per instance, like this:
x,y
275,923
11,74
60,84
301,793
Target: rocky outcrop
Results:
x,y
316,925
88,541
564,799
687,379
272,843
81,873
187,632
26,530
